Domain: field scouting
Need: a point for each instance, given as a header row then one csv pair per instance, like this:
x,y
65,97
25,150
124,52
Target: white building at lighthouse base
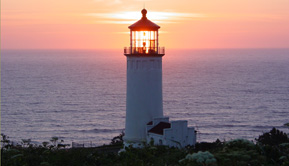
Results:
x,y
173,134
160,131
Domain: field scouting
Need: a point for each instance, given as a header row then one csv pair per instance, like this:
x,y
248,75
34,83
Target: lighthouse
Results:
x,y
144,100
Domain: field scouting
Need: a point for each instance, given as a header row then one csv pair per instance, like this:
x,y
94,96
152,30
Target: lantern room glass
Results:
x,y
144,42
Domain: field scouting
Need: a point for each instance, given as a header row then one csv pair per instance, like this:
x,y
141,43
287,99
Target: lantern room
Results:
x,y
144,38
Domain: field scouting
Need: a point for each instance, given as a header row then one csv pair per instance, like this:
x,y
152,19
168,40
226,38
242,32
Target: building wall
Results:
x,y
144,95
156,139
192,136
179,135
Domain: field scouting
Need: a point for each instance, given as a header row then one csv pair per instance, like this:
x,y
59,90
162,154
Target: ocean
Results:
x,y
80,95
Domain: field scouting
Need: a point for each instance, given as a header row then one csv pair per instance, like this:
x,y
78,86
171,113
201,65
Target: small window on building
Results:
x,y
160,142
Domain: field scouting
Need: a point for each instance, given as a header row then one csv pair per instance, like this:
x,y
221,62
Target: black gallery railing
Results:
x,y
144,50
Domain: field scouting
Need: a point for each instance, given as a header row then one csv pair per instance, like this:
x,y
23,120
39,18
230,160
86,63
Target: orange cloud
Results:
x,y
131,16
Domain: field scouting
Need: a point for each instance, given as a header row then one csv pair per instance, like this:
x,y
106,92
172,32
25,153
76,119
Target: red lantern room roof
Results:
x,y
144,24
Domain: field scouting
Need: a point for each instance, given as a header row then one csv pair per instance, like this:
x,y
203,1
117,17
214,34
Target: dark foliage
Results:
x,y
237,152
274,137
240,152
6,143
118,140
205,146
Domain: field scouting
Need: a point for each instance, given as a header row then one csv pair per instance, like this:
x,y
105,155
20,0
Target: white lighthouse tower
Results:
x,y
144,99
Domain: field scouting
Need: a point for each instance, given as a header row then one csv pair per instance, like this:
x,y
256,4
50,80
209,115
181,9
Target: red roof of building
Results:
x,y
150,123
144,24
159,128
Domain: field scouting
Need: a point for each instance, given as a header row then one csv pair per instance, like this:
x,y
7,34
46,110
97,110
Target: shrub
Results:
x,y
274,137
204,158
240,144
118,140
240,152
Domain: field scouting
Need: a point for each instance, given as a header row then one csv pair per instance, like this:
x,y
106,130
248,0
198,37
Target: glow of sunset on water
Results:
x,y
185,24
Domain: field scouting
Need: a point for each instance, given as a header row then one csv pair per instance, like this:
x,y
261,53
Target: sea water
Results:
x,y
80,95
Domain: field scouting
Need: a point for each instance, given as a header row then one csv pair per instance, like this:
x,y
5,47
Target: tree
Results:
x,y
274,137
118,140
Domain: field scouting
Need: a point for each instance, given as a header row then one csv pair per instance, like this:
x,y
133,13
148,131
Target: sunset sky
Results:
x,y
103,24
